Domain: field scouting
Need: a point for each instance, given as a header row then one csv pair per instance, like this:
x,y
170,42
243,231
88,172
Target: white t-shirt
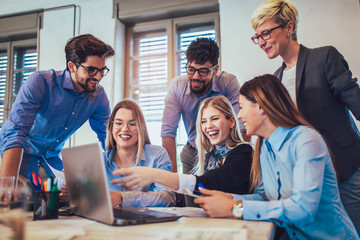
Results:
x,y
289,82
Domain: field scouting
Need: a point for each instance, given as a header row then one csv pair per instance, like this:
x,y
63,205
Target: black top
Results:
x,y
233,176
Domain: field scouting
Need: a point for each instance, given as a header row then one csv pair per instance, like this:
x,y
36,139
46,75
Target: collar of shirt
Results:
x,y
109,158
69,85
279,137
213,88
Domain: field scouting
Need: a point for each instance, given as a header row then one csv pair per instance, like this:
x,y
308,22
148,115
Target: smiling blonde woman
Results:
x,y
292,172
322,87
129,146
225,160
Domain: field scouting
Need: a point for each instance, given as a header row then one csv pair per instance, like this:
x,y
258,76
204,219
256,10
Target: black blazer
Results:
x,y
233,176
325,92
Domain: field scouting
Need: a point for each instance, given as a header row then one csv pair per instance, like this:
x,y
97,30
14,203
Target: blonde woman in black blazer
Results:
x,y
321,85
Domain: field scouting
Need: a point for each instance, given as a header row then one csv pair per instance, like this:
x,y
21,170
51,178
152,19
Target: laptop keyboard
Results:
x,y
120,213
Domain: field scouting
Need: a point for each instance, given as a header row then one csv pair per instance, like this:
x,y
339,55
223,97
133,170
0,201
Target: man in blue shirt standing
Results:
x,y
187,92
52,105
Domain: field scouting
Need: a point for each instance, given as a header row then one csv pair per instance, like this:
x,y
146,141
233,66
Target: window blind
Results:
x,y
154,61
3,69
152,80
152,77
24,63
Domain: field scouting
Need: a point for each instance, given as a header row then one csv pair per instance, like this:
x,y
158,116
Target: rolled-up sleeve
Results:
x,y
171,115
15,130
186,181
233,93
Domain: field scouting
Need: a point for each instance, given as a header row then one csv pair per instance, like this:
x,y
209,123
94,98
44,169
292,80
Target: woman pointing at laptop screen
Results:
x,y
224,159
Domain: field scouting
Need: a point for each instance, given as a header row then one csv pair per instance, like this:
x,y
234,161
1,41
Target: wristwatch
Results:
x,y
238,209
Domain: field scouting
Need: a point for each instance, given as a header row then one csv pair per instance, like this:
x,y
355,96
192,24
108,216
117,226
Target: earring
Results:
x,y
288,36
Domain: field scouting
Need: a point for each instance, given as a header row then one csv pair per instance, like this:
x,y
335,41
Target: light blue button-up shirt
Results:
x,y
297,169
46,112
153,195
180,101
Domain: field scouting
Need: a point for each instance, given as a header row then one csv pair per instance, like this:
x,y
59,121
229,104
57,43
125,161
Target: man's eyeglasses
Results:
x,y
120,124
202,71
264,35
92,71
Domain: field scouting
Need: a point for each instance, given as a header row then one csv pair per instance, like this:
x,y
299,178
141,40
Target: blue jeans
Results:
x,y
350,197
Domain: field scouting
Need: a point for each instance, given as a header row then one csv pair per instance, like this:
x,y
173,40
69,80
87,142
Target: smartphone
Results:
x,y
190,193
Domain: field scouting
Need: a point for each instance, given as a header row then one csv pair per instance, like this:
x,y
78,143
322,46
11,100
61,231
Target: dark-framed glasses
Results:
x,y
119,124
92,71
264,35
202,71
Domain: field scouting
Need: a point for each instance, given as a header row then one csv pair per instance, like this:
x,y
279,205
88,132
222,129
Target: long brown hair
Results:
x,y
203,144
271,95
143,136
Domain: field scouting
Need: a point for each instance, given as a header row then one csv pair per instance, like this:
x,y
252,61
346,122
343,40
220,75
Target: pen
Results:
x,y
48,187
60,182
45,186
197,192
34,180
39,181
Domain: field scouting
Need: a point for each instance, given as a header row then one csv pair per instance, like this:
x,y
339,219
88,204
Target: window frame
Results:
x,y
189,20
171,26
10,47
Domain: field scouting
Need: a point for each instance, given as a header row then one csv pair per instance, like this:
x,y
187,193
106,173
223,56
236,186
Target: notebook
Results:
x,y
88,191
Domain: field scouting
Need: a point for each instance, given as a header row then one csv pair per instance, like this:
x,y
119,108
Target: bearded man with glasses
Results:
x,y
52,105
203,80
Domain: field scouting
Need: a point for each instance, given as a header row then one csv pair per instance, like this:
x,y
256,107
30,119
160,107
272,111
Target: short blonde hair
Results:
x,y
282,10
203,144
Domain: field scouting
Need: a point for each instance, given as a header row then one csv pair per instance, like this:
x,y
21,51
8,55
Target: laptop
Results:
x,y
89,194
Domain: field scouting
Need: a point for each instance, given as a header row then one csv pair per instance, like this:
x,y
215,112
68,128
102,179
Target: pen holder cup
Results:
x,y
46,205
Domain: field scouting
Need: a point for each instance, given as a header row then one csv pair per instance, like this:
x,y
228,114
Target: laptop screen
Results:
x,y
88,191
86,182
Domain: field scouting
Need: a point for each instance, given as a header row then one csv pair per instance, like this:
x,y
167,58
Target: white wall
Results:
x,y
321,22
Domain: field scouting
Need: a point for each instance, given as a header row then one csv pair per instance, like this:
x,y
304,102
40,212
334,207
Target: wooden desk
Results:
x,y
76,228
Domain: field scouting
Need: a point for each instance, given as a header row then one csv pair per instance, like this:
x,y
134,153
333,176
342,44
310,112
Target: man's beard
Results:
x,y
85,85
199,91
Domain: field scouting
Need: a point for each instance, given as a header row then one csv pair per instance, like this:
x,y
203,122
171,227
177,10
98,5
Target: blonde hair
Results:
x,y
283,11
143,136
203,144
271,95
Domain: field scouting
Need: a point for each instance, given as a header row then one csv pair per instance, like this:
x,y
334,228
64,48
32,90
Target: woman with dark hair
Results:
x,y
129,146
292,172
224,160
